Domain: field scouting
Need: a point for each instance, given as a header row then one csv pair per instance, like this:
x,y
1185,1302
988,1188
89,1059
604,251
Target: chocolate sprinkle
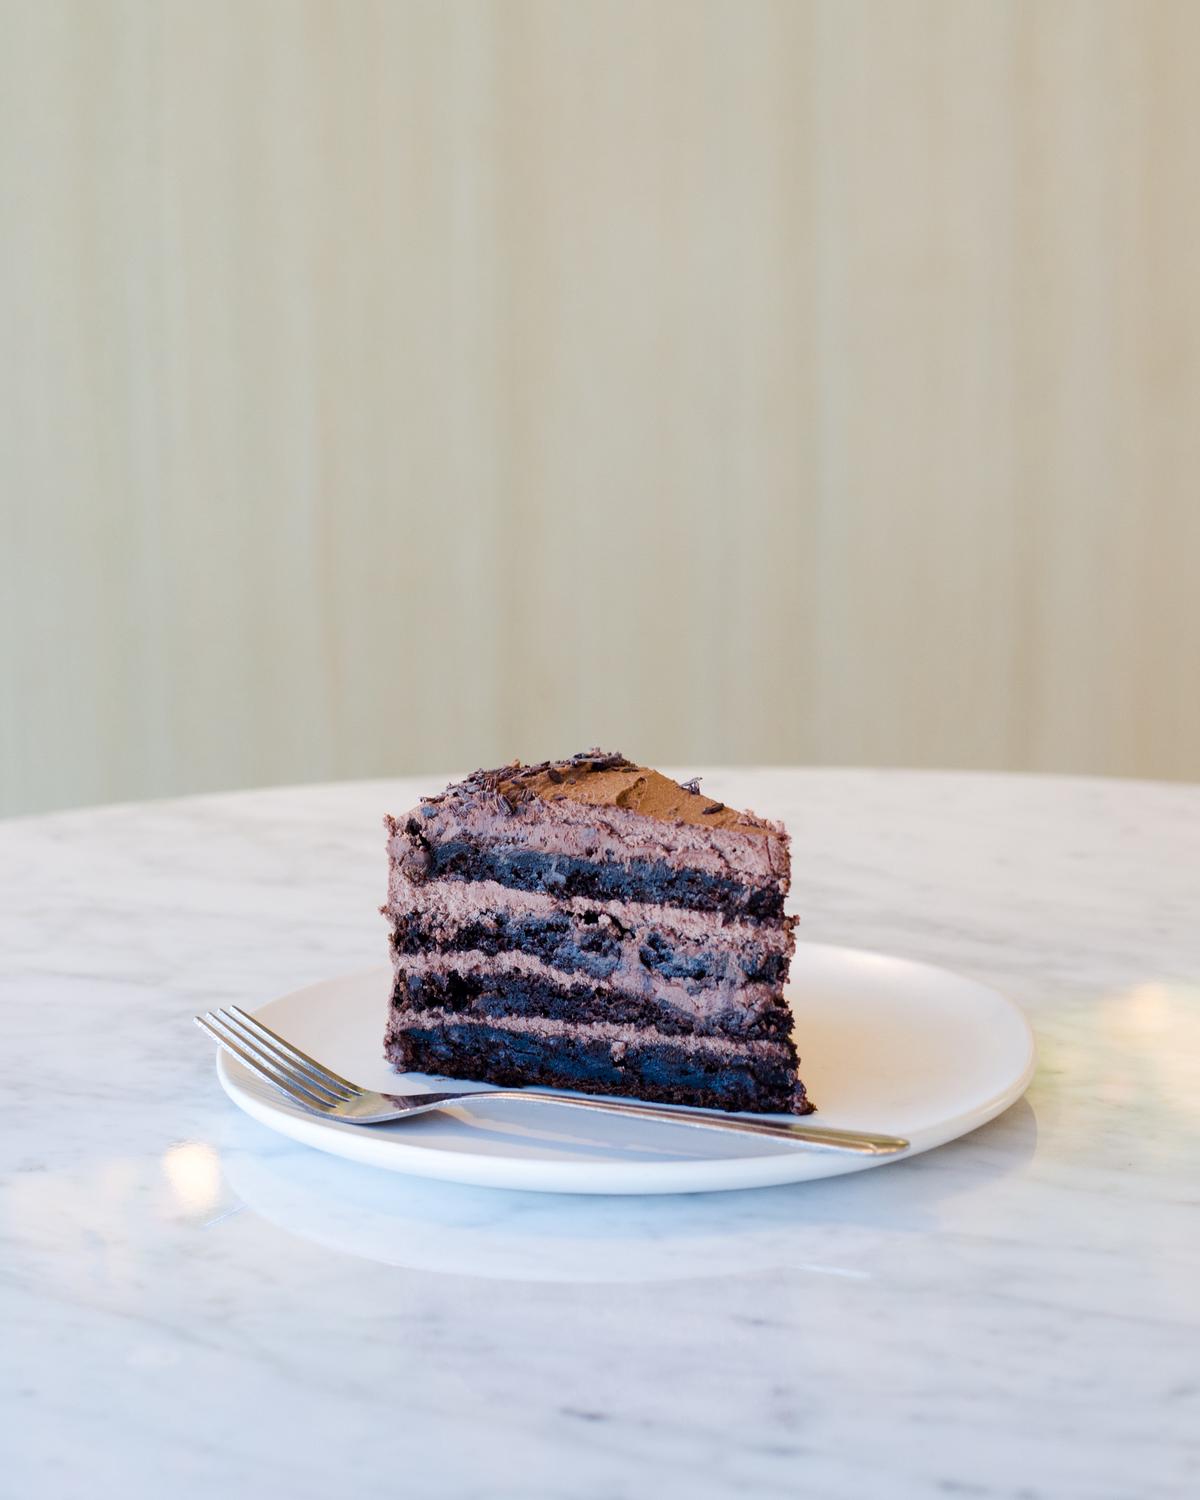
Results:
x,y
556,776
596,759
715,808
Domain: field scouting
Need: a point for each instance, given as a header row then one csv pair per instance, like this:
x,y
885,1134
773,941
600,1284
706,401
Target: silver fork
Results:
x,y
319,1090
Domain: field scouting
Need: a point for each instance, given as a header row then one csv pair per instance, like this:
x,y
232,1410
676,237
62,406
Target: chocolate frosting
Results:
x,y
606,779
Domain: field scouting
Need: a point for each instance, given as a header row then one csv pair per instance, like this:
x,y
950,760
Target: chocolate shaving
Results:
x,y
715,808
596,759
600,760
692,786
555,775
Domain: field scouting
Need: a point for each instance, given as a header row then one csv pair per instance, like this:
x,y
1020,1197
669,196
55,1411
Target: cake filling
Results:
x,y
544,992
629,880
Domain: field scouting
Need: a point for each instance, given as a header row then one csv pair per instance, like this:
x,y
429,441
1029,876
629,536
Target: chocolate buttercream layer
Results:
x,y
561,874
627,815
634,961
449,903
517,985
607,778
709,1073
681,956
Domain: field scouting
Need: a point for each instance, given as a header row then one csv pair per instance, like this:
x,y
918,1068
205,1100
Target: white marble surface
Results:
x,y
194,1307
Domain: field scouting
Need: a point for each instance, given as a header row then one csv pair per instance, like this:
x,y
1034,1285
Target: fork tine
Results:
x,y
274,1047
261,1065
318,1070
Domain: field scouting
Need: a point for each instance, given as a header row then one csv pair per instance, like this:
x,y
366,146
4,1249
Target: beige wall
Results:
x,y
396,386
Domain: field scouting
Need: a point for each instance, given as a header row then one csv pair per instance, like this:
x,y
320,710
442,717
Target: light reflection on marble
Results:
x,y
193,1305
432,1226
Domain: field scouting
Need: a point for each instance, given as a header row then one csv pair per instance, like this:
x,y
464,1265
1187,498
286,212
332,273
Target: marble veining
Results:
x,y
192,1305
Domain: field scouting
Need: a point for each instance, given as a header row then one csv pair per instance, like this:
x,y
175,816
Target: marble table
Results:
x,y
194,1307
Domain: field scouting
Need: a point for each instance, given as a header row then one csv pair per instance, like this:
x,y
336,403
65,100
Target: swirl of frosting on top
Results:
x,y
607,779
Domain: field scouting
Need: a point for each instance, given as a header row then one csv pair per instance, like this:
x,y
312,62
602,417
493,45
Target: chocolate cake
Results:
x,y
590,924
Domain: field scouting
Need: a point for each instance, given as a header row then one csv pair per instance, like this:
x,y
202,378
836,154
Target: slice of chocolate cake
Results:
x,y
590,924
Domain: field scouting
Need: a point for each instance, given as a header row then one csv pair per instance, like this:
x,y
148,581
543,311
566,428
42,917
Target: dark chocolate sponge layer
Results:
x,y
576,947
497,995
632,880
582,947
660,1071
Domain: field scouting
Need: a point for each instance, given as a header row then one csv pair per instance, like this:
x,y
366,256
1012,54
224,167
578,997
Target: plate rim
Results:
x,y
613,1178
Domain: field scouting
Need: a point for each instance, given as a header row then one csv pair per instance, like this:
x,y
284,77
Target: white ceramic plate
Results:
x,y
887,1045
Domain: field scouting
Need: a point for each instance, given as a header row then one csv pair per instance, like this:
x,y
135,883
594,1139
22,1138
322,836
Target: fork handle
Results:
x,y
815,1137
